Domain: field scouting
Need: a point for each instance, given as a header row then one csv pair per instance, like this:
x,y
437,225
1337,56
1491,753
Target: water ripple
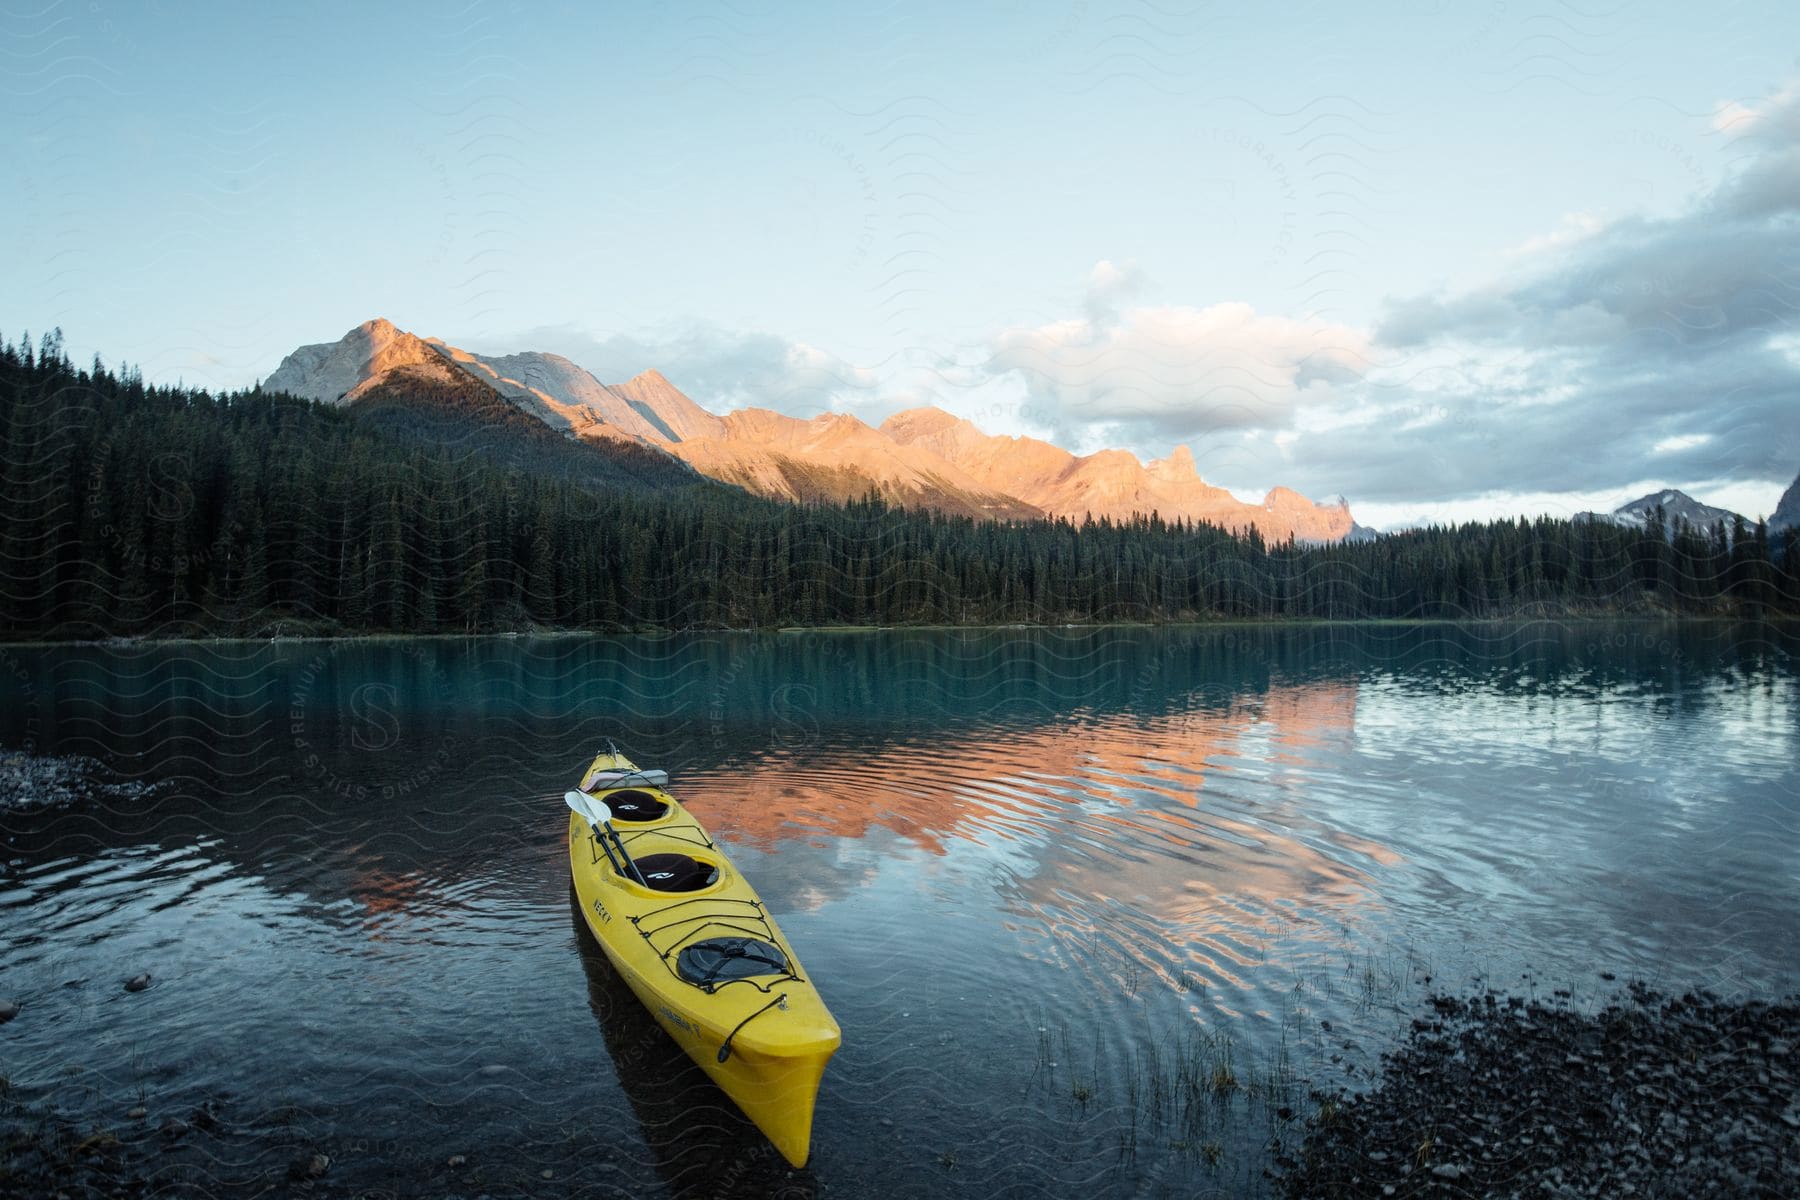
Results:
x,y
1030,870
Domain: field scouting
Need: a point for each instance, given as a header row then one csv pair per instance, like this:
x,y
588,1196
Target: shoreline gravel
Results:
x,y
1497,1096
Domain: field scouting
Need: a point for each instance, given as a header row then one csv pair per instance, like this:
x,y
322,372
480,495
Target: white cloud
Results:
x,y
1732,118
1738,119
1652,350
1168,373
718,368
1573,228
1109,285
1608,352
1484,506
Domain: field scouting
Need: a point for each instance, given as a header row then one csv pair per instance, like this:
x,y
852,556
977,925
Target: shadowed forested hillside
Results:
x,y
139,510
467,418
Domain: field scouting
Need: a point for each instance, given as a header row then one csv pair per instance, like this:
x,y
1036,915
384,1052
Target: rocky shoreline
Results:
x,y
40,782
43,1154
1498,1096
1650,1096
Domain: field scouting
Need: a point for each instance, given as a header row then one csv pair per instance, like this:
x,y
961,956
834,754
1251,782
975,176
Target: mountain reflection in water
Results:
x,y
1078,826
1004,856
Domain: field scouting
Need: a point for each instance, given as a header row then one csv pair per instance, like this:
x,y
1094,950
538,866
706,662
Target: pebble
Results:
x,y
137,1114
1703,1127
456,1160
311,1168
137,983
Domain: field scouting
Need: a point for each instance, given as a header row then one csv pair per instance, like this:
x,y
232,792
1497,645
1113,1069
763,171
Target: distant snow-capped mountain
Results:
x,y
547,386
922,458
1677,506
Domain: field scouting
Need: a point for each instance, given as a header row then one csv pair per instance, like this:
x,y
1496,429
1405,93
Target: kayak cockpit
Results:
x,y
670,872
636,806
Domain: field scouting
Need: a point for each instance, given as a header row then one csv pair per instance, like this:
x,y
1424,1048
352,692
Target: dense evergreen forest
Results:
x,y
161,511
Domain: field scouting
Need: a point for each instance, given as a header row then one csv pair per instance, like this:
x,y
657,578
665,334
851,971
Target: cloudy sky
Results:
x,y
1448,260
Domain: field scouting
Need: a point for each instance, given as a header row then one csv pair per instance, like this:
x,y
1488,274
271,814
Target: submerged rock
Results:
x,y
137,983
8,1010
312,1167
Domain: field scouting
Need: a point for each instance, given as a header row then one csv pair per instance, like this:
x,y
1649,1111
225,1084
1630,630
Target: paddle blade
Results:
x,y
594,810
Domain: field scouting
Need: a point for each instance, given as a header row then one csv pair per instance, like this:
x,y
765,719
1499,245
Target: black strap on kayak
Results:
x,y
715,914
736,951
725,1046
676,833
712,908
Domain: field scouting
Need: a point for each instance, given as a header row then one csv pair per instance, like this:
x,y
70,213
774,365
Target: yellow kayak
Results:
x,y
691,938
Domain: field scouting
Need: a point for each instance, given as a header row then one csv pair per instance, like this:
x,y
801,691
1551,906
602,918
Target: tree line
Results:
x,y
132,509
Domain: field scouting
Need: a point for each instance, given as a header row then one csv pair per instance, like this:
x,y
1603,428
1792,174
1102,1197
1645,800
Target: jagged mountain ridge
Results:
x,y
1677,506
671,413
922,458
1111,482
342,372
1787,511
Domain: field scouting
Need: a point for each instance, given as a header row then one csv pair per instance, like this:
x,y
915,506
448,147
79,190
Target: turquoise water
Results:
x,y
1043,878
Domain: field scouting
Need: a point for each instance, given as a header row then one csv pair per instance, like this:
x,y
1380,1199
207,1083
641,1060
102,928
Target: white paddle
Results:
x,y
600,817
587,806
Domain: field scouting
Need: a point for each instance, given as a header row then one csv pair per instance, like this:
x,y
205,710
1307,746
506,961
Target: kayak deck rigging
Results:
x,y
740,918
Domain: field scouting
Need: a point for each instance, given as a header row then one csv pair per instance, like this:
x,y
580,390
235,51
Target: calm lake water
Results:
x,y
1051,883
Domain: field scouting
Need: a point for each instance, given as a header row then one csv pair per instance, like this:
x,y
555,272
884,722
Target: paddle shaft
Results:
x,y
628,868
599,819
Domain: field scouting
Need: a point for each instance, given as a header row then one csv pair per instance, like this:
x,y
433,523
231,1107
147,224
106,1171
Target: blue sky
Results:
x,y
1396,255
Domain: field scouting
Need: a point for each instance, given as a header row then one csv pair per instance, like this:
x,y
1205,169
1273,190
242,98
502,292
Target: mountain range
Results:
x,y
921,458
1676,505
